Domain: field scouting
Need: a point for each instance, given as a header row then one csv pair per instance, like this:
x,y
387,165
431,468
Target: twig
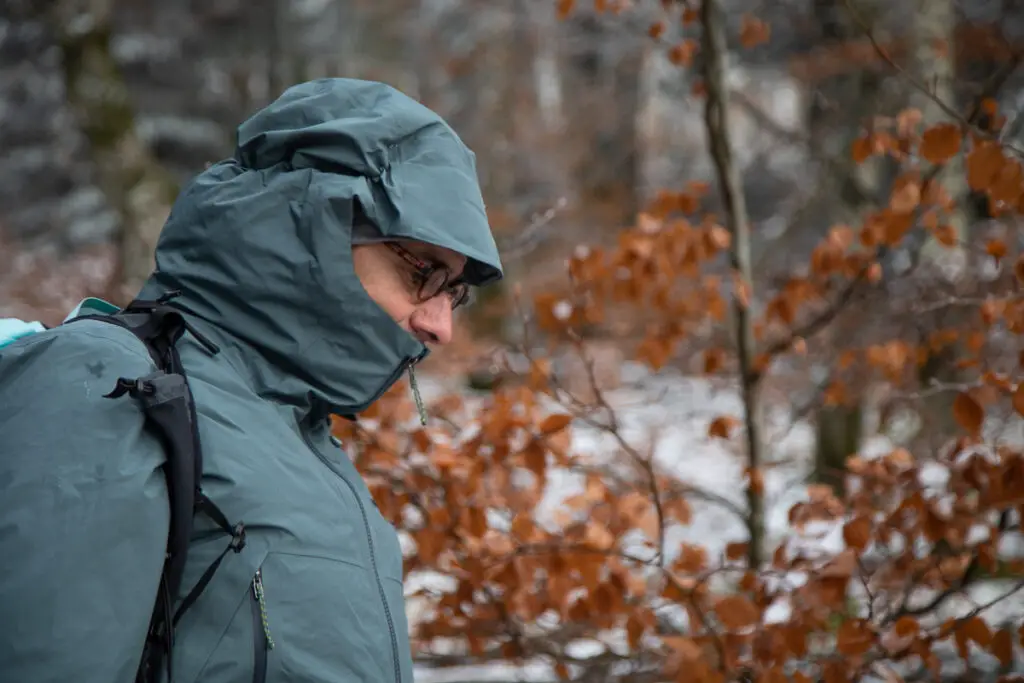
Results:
x,y
1017,587
846,295
952,301
716,107
994,85
863,575
527,239
579,409
937,387
645,463
613,429
820,321
970,573
966,122
773,127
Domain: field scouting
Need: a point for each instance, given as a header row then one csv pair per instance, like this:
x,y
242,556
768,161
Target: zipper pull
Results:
x,y
416,396
257,591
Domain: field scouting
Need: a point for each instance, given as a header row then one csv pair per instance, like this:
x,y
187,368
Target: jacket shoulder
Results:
x,y
53,385
85,347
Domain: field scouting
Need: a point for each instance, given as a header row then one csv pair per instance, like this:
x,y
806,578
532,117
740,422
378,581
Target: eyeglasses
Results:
x,y
433,278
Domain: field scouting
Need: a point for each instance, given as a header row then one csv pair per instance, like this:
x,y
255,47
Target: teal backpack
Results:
x,y
170,413
12,329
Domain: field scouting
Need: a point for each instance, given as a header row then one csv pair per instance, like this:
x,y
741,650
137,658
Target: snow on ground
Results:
x,y
675,411
534,672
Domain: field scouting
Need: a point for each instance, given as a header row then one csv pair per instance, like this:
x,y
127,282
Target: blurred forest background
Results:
x,y
586,119
109,106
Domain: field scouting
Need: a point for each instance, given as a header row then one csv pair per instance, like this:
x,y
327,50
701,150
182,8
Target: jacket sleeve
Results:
x,y
83,508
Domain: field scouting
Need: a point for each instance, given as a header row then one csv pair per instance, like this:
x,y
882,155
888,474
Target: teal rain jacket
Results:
x,y
259,246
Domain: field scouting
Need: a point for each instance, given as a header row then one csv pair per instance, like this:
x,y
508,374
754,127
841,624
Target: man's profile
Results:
x,y
314,269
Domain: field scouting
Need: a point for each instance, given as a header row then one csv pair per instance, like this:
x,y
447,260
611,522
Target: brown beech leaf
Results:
x,y
721,427
857,533
940,143
555,423
737,612
968,413
854,637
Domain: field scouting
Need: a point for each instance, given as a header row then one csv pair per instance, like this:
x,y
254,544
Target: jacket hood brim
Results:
x,y
259,245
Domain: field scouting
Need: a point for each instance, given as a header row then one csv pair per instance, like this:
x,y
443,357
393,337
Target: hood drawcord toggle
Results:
x,y
420,409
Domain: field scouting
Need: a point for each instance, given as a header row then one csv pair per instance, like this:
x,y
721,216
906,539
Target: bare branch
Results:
x,y
716,120
529,238
967,578
967,122
853,287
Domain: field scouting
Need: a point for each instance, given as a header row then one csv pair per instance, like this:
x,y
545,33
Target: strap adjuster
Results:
x,y
238,538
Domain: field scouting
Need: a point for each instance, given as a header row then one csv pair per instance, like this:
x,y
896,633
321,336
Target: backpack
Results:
x,y
170,413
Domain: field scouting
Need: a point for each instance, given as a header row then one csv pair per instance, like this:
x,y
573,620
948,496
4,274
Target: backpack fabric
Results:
x,y
280,337
12,329
171,414
169,410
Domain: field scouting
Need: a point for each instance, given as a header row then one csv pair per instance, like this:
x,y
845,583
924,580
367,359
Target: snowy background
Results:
x,y
677,411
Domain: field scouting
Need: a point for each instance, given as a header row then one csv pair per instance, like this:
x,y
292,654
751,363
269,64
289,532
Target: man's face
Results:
x,y
392,274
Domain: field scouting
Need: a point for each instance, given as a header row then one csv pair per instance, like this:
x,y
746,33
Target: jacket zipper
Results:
x,y
373,554
262,642
402,367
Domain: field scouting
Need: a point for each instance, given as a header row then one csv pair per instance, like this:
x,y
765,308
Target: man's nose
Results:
x,y
431,322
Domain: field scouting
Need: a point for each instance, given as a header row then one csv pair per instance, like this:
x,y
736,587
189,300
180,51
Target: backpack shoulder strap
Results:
x,y
170,412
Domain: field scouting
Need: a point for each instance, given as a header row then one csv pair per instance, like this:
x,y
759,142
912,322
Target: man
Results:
x,y
315,268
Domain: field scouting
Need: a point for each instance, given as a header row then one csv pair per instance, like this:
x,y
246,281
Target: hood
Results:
x,y
259,245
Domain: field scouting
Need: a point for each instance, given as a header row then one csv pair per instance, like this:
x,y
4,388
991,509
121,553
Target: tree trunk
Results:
x,y
838,434
730,187
602,74
135,184
847,191
933,65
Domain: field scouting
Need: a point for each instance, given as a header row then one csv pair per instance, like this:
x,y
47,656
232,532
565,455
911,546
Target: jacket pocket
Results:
x,y
321,618
307,617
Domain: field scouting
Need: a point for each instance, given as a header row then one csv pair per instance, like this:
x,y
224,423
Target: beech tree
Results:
x,y
874,576
598,589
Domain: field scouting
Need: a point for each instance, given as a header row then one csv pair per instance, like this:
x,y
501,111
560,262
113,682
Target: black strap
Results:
x,y
236,544
170,411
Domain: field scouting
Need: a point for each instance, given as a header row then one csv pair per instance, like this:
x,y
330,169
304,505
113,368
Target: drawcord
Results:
x,y
416,397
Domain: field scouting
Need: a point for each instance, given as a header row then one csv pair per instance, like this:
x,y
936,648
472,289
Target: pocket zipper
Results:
x,y
262,642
